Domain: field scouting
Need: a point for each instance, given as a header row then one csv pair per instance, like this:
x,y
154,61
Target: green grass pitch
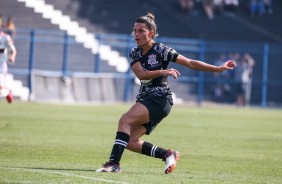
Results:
x,y
42,144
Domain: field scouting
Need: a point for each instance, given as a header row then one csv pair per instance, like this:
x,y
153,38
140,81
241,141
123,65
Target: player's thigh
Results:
x,y
2,80
138,114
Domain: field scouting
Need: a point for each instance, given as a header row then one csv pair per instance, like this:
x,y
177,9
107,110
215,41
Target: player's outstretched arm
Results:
x,y
11,50
200,65
12,57
147,75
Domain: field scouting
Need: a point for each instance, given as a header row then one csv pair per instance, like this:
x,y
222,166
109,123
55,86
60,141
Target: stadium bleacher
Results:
x,y
101,16
110,16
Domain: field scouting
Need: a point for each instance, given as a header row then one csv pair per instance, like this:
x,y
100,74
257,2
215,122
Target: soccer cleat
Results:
x,y
9,97
170,159
109,167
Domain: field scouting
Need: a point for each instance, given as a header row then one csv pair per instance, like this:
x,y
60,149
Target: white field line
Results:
x,y
18,182
63,174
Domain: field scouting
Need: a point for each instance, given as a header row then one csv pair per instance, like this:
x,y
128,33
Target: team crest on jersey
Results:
x,y
152,59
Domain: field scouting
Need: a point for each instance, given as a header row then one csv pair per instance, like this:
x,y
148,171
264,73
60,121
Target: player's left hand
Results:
x,y
228,65
173,72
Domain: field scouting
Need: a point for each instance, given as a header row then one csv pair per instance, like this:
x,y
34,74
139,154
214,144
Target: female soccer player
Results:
x,y
149,61
7,53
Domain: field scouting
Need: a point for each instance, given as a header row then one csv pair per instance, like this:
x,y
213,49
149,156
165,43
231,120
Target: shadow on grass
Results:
x,y
84,170
58,169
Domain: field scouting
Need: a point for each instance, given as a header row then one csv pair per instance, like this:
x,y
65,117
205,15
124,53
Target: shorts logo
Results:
x,y
152,59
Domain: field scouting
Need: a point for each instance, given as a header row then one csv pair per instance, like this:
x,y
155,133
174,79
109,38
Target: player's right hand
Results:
x,y
173,72
12,59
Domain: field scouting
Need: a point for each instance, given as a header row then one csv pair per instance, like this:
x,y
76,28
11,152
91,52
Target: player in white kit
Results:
x,y
7,53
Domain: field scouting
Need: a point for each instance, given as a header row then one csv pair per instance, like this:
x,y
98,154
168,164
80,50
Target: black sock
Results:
x,y
152,150
119,146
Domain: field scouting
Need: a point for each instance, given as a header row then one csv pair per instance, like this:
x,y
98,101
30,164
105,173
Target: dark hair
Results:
x,y
149,21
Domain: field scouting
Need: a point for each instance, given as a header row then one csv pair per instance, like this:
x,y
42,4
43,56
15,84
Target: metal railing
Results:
x,y
37,42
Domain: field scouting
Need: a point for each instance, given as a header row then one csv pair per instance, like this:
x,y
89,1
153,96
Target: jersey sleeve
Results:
x,y
133,56
170,54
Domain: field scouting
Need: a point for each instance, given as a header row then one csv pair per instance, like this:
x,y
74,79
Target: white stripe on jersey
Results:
x,y
166,54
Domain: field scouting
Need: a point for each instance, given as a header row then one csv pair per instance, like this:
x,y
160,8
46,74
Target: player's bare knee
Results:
x,y
133,141
132,144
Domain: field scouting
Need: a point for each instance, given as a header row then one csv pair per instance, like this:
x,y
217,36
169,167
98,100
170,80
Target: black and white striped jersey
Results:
x,y
157,58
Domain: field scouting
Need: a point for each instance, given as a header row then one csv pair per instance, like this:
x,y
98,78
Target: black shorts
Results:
x,y
158,107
